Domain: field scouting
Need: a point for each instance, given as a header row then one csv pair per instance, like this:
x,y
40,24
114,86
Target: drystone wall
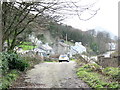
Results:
x,y
109,61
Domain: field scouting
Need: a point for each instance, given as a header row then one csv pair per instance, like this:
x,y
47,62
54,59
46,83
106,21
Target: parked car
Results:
x,y
63,58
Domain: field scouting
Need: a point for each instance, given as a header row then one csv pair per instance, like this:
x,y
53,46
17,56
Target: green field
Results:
x,y
27,46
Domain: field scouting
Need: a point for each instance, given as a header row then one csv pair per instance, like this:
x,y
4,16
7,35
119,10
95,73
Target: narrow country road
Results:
x,y
52,75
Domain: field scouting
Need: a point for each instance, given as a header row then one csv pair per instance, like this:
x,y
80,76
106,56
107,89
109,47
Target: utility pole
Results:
x,y
66,38
66,42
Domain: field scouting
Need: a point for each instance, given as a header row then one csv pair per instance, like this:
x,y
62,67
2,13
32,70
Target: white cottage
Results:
x,y
111,46
78,48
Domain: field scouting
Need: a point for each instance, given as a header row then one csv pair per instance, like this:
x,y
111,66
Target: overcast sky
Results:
x,y
107,17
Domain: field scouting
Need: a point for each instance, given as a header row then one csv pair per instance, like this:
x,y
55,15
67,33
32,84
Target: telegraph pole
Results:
x,y
66,38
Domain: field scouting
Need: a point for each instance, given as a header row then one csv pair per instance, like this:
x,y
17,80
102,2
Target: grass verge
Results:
x,y
90,74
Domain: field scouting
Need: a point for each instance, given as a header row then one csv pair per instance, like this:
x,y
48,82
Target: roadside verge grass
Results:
x,y
89,73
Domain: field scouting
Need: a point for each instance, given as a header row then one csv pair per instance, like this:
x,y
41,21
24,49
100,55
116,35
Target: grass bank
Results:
x,y
97,77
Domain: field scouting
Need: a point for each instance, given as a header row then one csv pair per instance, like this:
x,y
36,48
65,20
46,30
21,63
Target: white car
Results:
x,y
63,58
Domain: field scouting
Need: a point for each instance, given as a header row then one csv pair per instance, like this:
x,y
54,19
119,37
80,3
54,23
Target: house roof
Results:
x,y
63,44
45,47
79,48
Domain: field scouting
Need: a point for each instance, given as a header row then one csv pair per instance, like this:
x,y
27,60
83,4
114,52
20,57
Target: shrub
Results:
x,y
11,61
22,65
4,63
17,62
8,79
5,84
12,75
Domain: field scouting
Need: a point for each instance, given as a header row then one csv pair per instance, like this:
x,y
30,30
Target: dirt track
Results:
x,y
53,75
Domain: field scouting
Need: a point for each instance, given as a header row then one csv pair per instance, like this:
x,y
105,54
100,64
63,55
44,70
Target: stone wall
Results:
x,y
108,61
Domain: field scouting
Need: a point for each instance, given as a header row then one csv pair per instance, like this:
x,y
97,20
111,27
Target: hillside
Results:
x,y
53,32
48,30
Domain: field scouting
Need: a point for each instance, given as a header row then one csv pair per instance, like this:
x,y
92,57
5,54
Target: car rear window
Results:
x,y
63,56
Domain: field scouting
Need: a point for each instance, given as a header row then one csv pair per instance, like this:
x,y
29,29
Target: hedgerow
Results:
x,y
12,61
8,79
10,64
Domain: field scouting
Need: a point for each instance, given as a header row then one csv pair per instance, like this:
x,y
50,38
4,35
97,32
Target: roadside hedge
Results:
x,y
10,65
11,61
7,80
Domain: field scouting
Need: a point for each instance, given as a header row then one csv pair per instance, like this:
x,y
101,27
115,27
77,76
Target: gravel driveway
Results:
x,y
53,75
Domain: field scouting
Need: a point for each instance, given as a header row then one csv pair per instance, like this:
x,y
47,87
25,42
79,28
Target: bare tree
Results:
x,y
17,16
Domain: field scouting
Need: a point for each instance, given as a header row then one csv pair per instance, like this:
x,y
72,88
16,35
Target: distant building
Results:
x,y
46,48
61,48
78,48
111,46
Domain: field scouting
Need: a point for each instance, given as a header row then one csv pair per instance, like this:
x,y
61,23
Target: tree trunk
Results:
x,y
1,27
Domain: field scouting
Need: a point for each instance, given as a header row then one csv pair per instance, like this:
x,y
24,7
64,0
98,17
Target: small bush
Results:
x,y
17,62
11,61
4,63
5,84
12,75
22,65
8,79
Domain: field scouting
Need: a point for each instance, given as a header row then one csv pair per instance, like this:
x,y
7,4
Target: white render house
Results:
x,y
78,48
